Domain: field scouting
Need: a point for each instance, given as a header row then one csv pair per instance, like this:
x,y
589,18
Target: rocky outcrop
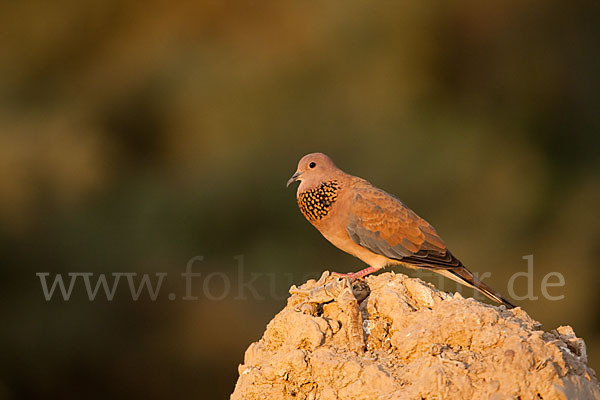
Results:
x,y
393,337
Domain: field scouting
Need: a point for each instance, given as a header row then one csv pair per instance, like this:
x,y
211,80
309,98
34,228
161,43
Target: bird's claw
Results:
x,y
351,275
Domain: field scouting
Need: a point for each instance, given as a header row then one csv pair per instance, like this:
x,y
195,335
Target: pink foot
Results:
x,y
351,275
356,275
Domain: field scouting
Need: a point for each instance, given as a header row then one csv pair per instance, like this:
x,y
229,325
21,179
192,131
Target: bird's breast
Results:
x,y
316,203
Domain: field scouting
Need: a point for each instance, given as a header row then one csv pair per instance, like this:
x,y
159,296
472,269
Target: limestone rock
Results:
x,y
393,337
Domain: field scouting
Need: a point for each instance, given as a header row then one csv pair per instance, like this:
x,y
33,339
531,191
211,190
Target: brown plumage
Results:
x,y
374,225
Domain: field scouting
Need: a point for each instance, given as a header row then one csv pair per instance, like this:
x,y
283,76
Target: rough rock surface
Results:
x,y
393,337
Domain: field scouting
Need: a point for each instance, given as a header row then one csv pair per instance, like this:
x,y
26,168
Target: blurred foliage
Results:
x,y
136,135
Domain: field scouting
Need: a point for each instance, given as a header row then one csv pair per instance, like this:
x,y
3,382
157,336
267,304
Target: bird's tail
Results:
x,y
465,277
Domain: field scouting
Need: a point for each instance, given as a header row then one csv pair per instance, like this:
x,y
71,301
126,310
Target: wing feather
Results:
x,y
382,224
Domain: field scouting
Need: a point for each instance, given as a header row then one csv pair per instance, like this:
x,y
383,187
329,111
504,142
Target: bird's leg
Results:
x,y
357,275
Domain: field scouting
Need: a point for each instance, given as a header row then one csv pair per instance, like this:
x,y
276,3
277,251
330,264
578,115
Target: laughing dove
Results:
x,y
373,225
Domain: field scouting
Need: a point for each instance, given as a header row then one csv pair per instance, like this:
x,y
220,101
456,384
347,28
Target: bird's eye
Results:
x,y
312,165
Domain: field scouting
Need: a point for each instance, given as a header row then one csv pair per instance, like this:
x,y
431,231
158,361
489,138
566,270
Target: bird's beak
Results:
x,y
293,179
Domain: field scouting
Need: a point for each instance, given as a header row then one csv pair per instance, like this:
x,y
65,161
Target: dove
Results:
x,y
373,225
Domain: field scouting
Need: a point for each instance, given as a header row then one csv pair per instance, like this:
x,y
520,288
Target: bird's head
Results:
x,y
313,170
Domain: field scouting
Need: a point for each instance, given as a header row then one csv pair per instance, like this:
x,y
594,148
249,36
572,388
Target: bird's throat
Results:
x,y
316,203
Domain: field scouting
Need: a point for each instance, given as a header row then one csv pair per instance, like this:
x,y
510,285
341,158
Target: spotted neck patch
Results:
x,y
316,203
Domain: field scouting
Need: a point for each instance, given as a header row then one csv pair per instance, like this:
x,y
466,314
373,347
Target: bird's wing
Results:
x,y
382,224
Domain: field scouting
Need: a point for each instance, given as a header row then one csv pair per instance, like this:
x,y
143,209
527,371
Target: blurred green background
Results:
x,y
137,135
